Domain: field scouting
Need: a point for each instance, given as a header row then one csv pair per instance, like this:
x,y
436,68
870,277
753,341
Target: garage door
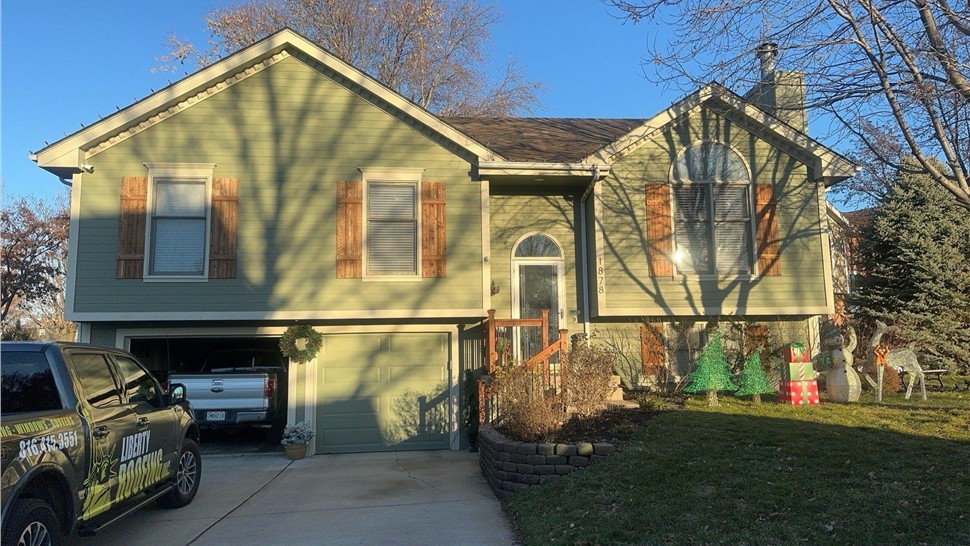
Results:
x,y
383,392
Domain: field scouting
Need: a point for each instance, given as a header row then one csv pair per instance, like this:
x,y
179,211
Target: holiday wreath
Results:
x,y
288,343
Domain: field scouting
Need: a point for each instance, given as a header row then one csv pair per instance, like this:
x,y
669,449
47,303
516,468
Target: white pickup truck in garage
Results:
x,y
237,387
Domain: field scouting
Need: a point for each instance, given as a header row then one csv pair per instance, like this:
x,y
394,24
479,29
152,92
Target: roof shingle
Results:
x,y
548,140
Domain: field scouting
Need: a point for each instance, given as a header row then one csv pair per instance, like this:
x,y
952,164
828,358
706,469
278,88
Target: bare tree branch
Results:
x,y
900,65
434,52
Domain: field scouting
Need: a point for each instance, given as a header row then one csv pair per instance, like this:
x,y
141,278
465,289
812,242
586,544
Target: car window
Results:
x,y
28,383
96,380
139,385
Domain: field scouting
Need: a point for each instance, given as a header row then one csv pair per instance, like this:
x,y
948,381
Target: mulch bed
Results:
x,y
615,426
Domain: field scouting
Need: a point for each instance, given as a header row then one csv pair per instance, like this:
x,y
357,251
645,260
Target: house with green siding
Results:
x,y
282,186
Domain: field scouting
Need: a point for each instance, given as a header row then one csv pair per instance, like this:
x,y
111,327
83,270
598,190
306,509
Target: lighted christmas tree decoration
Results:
x,y
712,373
753,380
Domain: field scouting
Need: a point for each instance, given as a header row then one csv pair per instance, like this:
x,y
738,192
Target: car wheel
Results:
x,y
32,522
187,477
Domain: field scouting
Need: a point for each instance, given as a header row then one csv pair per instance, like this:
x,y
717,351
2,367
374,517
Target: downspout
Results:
x,y
583,251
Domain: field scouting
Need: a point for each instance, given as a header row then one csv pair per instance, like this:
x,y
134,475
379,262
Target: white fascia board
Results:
x,y
67,153
83,316
620,312
531,168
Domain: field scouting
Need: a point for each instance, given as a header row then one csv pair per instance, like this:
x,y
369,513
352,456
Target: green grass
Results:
x,y
891,473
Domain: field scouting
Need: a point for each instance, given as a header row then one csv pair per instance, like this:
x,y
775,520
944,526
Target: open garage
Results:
x,y
189,356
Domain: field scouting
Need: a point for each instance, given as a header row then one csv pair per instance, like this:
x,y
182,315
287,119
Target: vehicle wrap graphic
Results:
x,y
97,486
38,425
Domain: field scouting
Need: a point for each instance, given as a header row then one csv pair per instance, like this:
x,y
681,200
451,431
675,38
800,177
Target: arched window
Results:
x,y
712,211
537,246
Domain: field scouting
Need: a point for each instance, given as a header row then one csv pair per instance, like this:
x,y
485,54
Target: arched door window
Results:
x,y
537,284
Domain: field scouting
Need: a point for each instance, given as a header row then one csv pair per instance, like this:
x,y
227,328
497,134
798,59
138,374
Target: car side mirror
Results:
x,y
176,394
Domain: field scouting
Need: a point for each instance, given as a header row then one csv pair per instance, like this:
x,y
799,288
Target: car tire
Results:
x,y
187,475
32,522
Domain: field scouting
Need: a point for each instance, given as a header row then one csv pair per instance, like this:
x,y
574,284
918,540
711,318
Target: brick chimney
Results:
x,y
781,93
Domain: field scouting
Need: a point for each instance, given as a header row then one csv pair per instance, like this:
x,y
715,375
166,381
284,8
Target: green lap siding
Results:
x,y
625,287
383,392
289,134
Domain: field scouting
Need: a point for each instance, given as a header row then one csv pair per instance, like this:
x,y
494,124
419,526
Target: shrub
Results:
x,y
300,433
588,380
529,409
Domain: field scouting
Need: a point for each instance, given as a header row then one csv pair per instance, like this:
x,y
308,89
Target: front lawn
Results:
x,y
866,473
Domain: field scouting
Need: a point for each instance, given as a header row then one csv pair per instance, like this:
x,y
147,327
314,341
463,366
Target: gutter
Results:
x,y
532,168
584,251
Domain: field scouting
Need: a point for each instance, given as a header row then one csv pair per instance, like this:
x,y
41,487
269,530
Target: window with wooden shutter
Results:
x,y
652,352
350,212
178,227
224,228
131,228
712,214
766,215
392,229
659,230
433,230
178,221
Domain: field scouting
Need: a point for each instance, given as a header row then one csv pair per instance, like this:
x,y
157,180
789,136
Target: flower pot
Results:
x,y
295,452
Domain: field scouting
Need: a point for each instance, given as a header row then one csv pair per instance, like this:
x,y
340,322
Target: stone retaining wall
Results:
x,y
510,465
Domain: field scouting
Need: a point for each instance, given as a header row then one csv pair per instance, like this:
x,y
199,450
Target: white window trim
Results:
x,y
193,171
716,275
395,176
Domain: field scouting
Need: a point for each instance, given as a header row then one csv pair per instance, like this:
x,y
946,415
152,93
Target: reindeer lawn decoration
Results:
x,y
904,359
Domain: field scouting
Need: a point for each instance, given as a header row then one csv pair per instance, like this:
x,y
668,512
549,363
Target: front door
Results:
x,y
539,287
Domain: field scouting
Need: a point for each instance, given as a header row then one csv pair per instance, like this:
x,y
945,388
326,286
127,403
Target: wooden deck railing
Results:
x,y
554,375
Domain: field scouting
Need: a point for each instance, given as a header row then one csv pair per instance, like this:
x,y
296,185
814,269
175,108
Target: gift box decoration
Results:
x,y
799,371
796,352
799,393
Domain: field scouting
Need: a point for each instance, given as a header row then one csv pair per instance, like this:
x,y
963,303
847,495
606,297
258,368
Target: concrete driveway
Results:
x,y
426,497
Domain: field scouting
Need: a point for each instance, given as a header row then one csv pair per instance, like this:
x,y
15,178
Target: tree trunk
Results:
x,y
756,399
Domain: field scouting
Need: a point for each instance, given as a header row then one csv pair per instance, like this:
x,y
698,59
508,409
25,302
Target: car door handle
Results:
x,y
143,422
100,432
216,389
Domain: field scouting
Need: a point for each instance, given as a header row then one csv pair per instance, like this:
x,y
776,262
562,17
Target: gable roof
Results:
x,y
549,140
827,165
567,146
67,156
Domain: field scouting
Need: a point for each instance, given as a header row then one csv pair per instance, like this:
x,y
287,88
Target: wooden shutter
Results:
x,y
659,230
755,338
131,228
652,353
433,230
766,218
350,212
224,228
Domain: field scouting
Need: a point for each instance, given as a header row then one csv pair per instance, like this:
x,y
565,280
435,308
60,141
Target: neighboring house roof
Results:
x,y
67,156
546,140
859,219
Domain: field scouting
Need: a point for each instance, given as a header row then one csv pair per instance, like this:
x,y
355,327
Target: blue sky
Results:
x,y
63,64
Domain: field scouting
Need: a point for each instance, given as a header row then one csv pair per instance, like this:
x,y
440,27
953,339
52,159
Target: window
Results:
x,y
179,220
97,382
391,234
28,383
712,211
139,386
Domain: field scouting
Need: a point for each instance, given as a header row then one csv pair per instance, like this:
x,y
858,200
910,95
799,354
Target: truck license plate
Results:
x,y
215,416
